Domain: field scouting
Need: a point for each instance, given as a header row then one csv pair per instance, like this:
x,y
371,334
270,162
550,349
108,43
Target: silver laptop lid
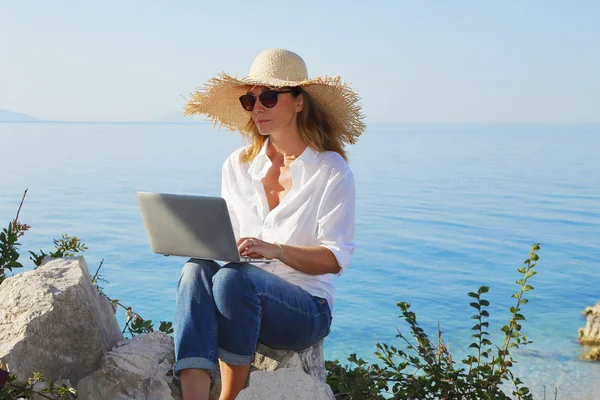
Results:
x,y
189,226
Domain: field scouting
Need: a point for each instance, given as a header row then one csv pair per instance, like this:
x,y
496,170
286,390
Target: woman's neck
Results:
x,y
285,147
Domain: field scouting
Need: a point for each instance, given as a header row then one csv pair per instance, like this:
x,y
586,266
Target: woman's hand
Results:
x,y
256,248
316,260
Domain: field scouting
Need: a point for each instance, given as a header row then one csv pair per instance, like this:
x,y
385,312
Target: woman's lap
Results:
x,y
291,318
250,305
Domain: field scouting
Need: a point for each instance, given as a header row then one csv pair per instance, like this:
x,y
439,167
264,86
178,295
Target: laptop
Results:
x,y
190,226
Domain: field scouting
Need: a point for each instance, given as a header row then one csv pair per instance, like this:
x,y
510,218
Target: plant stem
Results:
x,y
21,205
513,321
439,351
98,270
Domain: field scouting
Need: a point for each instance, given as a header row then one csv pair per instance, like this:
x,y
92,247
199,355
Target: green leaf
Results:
x,y
471,294
527,288
524,300
522,270
475,305
483,289
166,327
519,317
520,282
484,303
505,329
530,274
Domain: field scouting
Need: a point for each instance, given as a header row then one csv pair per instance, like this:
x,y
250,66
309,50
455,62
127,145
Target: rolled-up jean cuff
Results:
x,y
234,359
193,363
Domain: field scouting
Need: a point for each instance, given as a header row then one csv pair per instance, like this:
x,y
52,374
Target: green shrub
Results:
x,y
425,369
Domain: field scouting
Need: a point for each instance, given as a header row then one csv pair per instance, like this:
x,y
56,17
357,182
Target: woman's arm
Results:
x,y
316,260
335,231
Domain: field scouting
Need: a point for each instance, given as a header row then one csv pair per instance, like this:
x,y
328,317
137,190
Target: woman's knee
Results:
x,y
232,280
195,271
233,291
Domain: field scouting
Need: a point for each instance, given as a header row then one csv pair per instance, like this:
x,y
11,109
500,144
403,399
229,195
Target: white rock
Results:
x,y
53,321
135,369
284,384
311,360
284,374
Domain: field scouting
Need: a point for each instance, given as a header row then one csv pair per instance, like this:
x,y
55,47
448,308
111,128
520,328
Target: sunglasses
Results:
x,y
268,98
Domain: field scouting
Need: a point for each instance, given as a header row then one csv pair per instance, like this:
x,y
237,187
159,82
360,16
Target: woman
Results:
x,y
290,196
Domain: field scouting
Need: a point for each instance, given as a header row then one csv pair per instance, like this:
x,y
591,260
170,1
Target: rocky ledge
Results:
x,y
590,335
54,321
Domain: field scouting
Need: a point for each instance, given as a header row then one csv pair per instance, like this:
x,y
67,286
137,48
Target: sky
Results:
x,y
410,61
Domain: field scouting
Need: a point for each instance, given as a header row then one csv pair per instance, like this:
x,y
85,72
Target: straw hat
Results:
x,y
219,98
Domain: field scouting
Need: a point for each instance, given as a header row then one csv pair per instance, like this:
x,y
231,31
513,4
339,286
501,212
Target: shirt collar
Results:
x,y
263,151
308,156
261,163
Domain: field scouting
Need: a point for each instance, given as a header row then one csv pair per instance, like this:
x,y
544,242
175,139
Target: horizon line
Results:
x,y
371,123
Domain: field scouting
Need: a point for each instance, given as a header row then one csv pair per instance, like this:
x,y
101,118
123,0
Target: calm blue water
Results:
x,y
441,210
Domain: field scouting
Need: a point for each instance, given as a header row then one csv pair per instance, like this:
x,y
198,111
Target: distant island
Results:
x,y
9,116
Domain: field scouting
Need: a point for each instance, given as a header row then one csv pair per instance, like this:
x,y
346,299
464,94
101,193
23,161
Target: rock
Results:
x,y
310,361
592,355
137,368
286,374
283,374
590,335
140,368
54,321
284,384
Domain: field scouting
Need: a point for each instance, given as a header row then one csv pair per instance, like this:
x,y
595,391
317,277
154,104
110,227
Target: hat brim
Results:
x,y
219,101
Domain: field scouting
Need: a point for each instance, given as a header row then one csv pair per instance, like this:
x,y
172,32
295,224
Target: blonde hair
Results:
x,y
315,130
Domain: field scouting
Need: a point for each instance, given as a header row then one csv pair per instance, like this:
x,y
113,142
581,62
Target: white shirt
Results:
x,y
317,211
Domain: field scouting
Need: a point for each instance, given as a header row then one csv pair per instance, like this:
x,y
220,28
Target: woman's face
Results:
x,y
277,118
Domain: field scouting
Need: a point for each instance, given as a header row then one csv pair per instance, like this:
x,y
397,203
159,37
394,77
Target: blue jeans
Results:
x,y
224,311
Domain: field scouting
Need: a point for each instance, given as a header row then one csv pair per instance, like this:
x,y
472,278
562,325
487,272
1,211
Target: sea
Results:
x,y
440,211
